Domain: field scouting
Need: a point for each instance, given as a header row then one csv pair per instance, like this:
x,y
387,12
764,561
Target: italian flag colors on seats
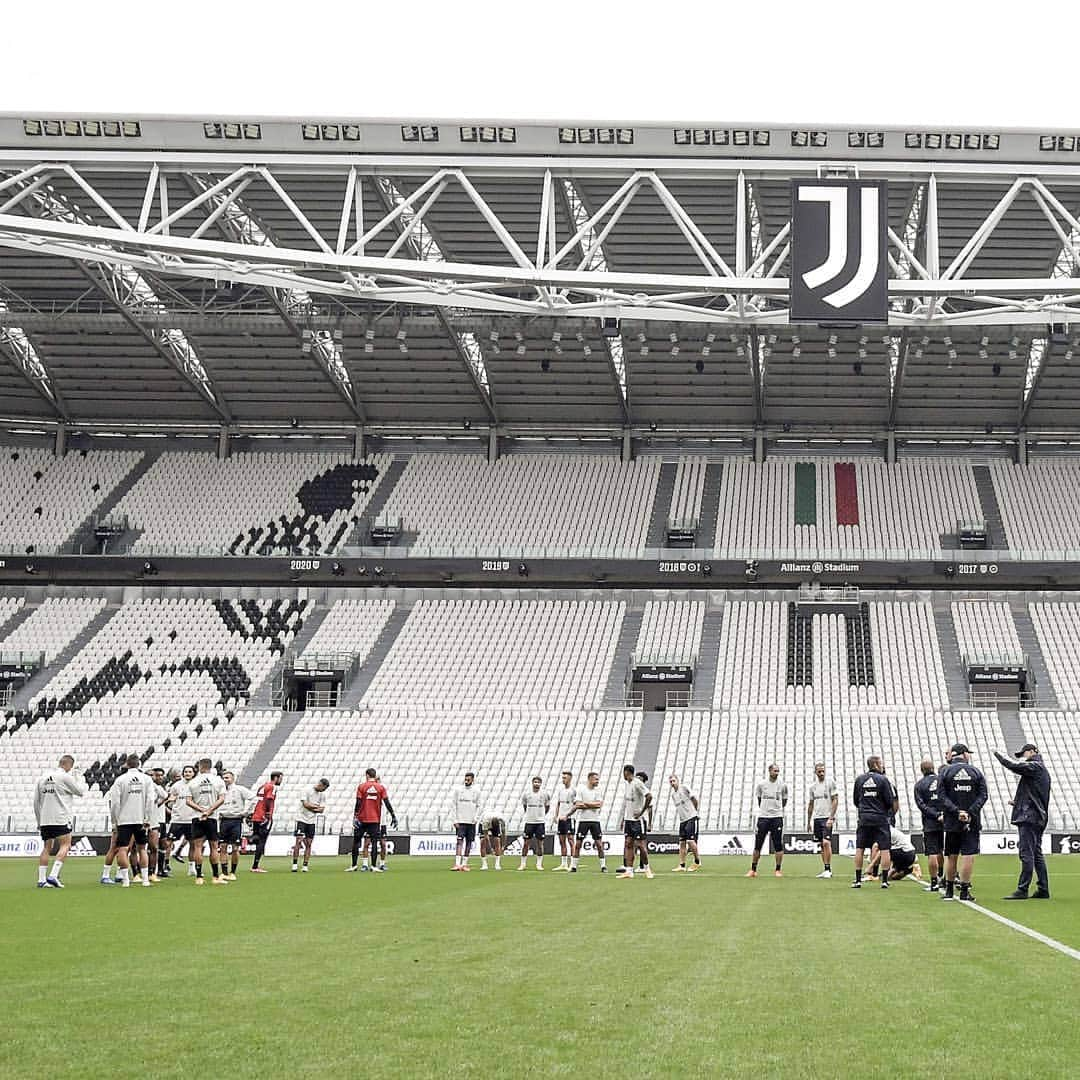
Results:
x,y
846,490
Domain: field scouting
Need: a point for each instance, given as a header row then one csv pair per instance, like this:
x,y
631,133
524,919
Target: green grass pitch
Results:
x,y
422,972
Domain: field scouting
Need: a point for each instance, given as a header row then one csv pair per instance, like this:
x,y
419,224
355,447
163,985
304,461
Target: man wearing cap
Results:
x,y
962,794
1029,814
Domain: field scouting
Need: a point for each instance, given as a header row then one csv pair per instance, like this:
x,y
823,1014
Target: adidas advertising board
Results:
x,y
726,844
839,254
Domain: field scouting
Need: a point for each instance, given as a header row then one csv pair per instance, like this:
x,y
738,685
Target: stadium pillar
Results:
x,y
493,445
627,445
359,451
1021,447
890,448
223,443
60,445
759,447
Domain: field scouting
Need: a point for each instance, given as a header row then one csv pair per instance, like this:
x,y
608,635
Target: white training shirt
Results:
x,y
587,794
181,812
535,805
205,790
770,796
466,805
682,797
239,801
131,799
565,797
822,792
316,798
160,795
633,799
53,794
900,840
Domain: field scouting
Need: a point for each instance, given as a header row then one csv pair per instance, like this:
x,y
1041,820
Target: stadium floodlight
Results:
x,y
231,131
71,127
409,133
310,132
586,135
429,133
567,135
252,131
680,136
605,136
954,141
762,137
331,132
212,130
488,134
1066,142
972,141
741,137
351,132
912,141
624,136
132,129
52,127
991,142
468,134
31,127
91,127
819,138
112,128
933,140
875,140
508,134
522,569
721,136
856,140
801,138
701,136
1047,142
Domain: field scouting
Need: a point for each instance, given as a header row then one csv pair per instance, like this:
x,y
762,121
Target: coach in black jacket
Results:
x,y
1029,814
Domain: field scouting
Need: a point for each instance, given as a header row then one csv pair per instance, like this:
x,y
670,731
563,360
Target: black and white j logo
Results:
x,y
839,258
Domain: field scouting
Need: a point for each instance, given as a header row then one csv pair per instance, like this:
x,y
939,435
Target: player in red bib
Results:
x,y
262,817
370,797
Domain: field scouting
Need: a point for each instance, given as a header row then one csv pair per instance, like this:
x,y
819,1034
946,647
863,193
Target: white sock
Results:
x,y
603,861
106,871
42,874
191,868
57,866
122,874
144,873
573,864
524,861
562,860
483,862
498,862
539,862
457,860
629,871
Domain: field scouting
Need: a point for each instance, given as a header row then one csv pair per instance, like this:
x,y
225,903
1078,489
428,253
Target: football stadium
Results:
x,y
695,506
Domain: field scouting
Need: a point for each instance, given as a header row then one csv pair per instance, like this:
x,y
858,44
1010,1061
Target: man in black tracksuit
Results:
x,y
1031,805
962,794
876,802
926,799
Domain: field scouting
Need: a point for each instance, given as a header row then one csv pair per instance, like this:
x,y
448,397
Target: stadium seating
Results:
x,y
422,756
47,498
350,626
721,756
1037,504
986,628
452,654
52,625
689,490
1057,734
670,631
250,503
1058,630
526,503
788,505
9,607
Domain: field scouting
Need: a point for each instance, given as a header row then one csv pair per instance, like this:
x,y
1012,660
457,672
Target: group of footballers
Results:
x,y
154,816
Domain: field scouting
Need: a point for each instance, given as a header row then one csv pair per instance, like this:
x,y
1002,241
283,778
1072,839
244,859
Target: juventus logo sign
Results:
x,y
839,257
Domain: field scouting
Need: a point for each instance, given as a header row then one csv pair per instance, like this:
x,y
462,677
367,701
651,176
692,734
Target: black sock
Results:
x,y
198,870
858,875
753,864
697,861
683,865
216,869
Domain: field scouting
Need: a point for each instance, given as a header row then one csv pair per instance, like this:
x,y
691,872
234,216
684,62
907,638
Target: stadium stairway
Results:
x,y
661,507
16,620
1045,694
21,699
615,691
263,758
710,506
648,749
83,539
708,657
1012,730
996,539
261,694
362,676
955,676
374,508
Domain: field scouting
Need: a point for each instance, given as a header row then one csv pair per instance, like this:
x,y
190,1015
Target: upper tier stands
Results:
x,y
422,758
526,503
1038,504
831,504
251,503
689,490
1058,629
52,626
670,631
45,498
350,626
454,654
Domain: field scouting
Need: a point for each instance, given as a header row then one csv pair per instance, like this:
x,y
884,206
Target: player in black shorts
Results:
x,y
962,793
926,799
876,802
492,833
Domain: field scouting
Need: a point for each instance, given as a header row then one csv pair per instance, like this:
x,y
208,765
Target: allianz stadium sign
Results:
x,y
816,568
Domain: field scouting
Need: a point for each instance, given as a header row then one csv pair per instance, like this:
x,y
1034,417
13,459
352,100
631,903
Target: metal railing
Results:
x,y
828,594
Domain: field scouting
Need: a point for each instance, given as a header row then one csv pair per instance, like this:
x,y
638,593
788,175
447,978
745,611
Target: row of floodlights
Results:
x,y
113,129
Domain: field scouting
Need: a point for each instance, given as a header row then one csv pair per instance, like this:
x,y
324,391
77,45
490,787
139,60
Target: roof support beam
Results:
x,y
25,357
903,345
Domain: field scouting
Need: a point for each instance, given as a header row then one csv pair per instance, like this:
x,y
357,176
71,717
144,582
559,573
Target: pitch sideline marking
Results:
x,y
1053,943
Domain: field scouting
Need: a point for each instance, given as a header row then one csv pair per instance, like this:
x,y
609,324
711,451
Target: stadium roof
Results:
x,y
238,271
